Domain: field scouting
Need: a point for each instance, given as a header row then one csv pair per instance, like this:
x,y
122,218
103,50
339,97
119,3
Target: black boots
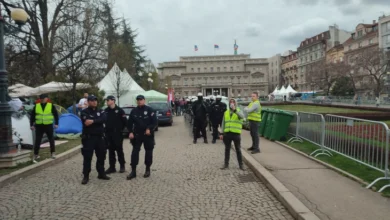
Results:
x,y
241,167
85,180
111,170
132,175
122,169
214,141
103,176
205,141
147,172
225,167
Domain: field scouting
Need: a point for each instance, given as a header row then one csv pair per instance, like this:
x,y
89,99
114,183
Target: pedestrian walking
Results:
x,y
93,139
200,110
116,122
217,110
254,118
141,124
231,128
43,115
378,101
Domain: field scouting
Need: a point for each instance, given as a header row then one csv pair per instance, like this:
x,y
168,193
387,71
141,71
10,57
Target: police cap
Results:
x,y
111,97
140,97
92,98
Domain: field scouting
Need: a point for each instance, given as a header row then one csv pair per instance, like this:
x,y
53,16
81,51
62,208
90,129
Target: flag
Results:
x,y
216,46
196,48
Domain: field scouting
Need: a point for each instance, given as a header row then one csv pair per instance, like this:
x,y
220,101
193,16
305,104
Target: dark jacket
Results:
x,y
99,118
116,119
53,111
217,110
140,119
200,110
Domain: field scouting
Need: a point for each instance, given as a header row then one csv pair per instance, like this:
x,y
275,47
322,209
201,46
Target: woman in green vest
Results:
x,y
231,128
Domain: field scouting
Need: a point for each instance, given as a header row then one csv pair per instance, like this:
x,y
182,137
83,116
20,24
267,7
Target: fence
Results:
x,y
364,141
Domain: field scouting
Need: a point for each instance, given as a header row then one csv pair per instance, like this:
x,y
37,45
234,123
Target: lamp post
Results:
x,y
20,17
150,80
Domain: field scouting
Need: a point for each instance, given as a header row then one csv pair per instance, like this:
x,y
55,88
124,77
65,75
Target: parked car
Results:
x,y
127,110
322,100
163,111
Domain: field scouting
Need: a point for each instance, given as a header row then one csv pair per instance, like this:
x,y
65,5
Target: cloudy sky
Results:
x,y
170,28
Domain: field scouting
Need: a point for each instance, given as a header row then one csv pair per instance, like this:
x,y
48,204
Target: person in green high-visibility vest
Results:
x,y
231,131
254,118
43,116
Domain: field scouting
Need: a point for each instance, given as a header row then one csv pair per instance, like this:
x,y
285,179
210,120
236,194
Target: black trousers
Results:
x,y
216,125
137,142
228,138
199,126
39,131
93,144
115,144
254,130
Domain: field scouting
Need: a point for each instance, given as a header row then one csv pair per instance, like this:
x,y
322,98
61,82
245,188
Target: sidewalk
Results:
x,y
326,193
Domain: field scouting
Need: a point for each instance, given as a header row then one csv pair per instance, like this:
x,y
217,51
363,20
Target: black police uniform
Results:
x,y
116,122
140,119
218,108
93,140
200,110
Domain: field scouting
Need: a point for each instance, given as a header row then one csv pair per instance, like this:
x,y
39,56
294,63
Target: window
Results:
x,y
231,68
370,41
198,69
237,68
218,69
388,38
341,59
192,69
205,69
360,44
387,26
349,47
360,33
185,82
212,69
225,68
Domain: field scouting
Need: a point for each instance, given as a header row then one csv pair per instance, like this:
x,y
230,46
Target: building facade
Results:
x,y
274,77
335,54
290,74
384,32
227,75
314,49
365,37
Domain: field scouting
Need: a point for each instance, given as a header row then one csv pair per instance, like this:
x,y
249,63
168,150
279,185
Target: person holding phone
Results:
x,y
231,128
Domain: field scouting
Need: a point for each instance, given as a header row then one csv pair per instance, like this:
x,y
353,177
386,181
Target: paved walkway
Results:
x,y
186,183
326,193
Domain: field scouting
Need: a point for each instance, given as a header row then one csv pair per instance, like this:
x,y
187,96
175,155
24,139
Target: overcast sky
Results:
x,y
170,28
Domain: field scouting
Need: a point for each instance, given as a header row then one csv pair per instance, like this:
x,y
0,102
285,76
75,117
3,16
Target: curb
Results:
x,y
34,168
342,172
296,208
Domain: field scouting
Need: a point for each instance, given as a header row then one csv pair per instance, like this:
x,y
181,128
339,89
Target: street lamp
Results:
x,y
20,17
150,80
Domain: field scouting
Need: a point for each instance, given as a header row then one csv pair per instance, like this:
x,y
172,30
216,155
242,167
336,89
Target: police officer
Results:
x,y
200,110
231,128
116,122
93,139
216,115
141,124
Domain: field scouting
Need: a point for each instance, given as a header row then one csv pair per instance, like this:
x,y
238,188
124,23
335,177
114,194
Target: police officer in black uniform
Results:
x,y
200,110
92,140
116,122
141,124
218,108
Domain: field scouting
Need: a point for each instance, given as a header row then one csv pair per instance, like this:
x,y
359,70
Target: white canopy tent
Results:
x,y
290,90
115,81
19,90
282,91
276,91
52,87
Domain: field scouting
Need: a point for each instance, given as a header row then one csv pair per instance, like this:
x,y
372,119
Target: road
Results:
x,y
186,183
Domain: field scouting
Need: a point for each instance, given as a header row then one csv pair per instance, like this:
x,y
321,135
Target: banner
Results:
x,y
170,95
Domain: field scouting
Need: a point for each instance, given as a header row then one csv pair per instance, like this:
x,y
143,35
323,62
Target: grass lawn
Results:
x,y
44,153
317,109
363,172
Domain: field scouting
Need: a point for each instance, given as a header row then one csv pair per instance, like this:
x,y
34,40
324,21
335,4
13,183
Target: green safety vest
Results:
x,y
256,115
44,117
232,123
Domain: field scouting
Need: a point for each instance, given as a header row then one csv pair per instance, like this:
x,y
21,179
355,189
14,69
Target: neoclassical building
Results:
x,y
226,75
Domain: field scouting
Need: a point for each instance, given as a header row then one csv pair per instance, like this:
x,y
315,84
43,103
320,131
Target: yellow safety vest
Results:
x,y
44,117
232,123
256,115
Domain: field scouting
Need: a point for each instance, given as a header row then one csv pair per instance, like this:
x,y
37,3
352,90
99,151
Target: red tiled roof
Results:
x,y
315,39
351,39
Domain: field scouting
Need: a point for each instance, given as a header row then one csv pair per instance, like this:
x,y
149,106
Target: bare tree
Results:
x,y
121,81
370,66
321,75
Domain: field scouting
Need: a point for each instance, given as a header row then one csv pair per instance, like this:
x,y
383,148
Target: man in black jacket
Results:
x,y
42,117
92,140
218,108
116,122
200,110
141,124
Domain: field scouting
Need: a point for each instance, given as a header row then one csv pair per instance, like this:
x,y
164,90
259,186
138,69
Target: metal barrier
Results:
x,y
311,127
364,141
293,128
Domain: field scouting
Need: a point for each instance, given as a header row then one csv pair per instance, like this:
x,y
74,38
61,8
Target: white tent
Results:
x,y
290,90
276,91
282,91
122,81
19,90
52,87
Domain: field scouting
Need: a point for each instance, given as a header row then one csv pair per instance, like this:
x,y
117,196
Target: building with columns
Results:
x,y
226,75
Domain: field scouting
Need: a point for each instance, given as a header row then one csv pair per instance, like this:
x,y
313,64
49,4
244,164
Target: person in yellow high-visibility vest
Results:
x,y
43,115
254,118
231,131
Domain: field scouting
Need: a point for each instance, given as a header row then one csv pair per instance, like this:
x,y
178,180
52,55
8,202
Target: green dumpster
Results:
x,y
282,121
263,123
270,122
